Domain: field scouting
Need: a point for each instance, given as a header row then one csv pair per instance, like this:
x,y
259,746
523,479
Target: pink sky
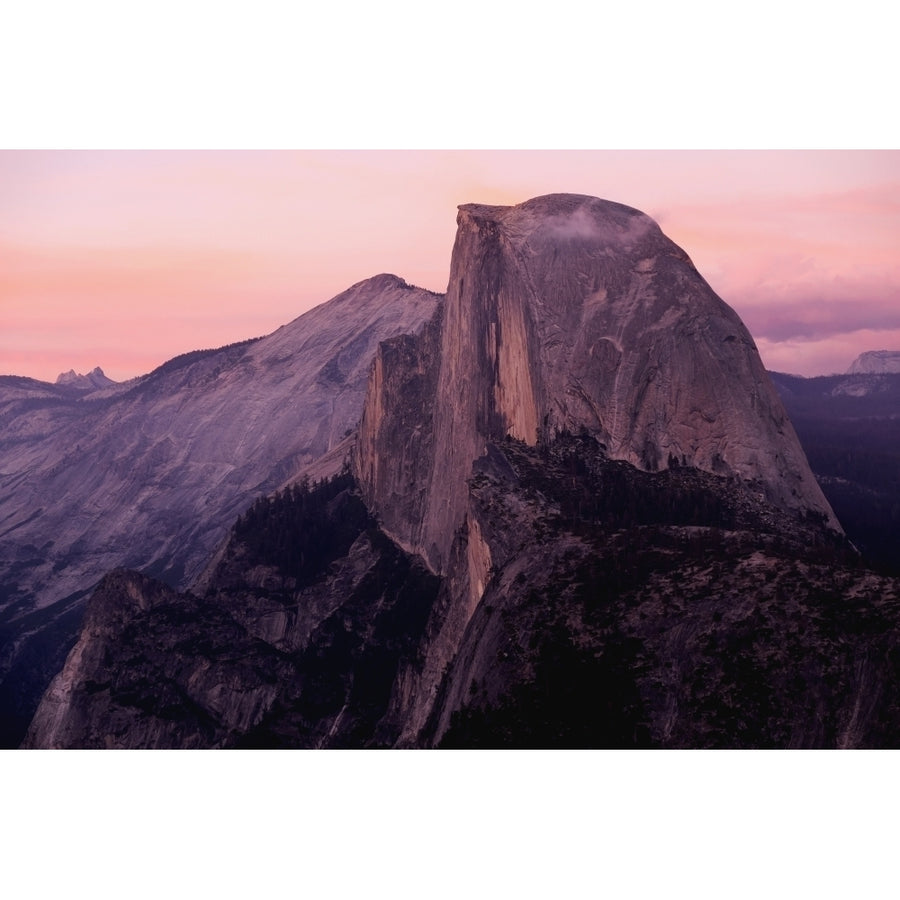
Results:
x,y
124,259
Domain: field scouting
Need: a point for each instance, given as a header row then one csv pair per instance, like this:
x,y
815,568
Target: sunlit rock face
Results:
x,y
563,314
570,313
150,474
876,362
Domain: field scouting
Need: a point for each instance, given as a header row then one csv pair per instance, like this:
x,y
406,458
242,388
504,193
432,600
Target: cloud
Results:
x,y
831,355
820,310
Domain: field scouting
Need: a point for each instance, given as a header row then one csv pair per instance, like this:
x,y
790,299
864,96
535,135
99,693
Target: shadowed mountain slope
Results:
x,y
622,609
850,429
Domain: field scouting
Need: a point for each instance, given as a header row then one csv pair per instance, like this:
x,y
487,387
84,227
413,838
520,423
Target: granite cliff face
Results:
x,y
565,314
150,474
569,313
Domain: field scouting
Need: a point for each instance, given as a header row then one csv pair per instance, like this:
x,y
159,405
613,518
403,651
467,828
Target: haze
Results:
x,y
124,259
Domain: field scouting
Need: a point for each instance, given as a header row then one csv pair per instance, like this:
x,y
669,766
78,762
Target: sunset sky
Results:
x,y
124,259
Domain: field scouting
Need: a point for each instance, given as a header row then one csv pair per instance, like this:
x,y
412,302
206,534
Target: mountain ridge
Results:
x,y
94,380
150,474
876,362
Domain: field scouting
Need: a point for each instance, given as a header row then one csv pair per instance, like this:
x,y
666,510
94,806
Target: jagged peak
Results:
x,y
67,377
94,379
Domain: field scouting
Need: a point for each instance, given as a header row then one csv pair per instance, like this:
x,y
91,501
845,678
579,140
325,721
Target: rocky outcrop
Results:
x,y
295,649
569,313
876,362
94,380
151,474
133,680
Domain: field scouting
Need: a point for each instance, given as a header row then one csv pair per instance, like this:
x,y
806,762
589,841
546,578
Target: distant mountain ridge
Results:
x,y
90,382
849,426
876,362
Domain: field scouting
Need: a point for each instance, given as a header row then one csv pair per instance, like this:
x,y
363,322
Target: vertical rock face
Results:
x,y
570,313
395,456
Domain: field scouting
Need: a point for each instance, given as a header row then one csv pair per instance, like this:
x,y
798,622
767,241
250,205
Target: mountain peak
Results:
x,y
92,381
386,280
556,205
876,362
564,218
569,313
